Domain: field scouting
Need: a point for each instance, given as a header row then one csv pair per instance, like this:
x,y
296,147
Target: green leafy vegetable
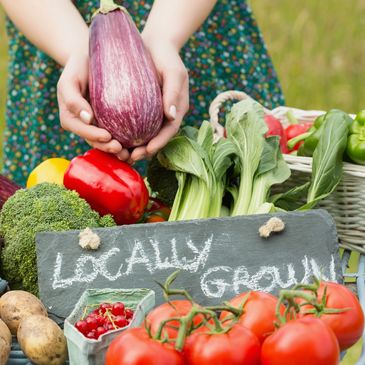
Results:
x,y
246,129
327,165
274,170
44,207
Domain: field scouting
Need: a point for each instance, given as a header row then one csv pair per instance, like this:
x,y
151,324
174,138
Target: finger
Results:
x,y
139,153
85,131
69,93
168,131
124,155
174,81
110,147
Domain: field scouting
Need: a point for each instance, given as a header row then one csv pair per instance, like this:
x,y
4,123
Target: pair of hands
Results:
x,y
76,114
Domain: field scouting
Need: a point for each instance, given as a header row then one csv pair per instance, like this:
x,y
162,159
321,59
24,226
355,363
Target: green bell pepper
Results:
x,y
356,141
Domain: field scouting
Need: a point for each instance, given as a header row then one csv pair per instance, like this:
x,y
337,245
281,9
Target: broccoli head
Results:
x,y
45,207
163,182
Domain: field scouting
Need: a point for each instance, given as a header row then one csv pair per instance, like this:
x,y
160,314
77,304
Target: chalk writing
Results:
x,y
218,258
214,281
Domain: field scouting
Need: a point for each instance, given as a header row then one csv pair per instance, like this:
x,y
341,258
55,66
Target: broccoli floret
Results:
x,y
45,207
163,182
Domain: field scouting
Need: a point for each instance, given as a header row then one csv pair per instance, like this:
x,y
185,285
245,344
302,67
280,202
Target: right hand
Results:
x,y
76,114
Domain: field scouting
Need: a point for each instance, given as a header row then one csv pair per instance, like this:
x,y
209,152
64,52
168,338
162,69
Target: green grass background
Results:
x,y
317,47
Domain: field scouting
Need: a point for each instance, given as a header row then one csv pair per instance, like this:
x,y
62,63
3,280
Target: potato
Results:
x,y
5,343
42,341
16,305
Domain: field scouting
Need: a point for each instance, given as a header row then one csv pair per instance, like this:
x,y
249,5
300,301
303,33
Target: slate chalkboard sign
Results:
x,y
218,258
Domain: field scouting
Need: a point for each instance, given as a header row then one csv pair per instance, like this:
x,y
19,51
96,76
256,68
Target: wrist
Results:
x,y
155,41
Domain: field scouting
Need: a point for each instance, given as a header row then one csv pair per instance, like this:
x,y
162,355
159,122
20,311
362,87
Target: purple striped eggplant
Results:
x,y
125,93
7,189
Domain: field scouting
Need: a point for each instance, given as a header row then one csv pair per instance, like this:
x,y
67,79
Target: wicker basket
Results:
x,y
345,204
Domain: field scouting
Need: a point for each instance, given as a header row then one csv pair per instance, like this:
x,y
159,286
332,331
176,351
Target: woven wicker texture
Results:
x,y
345,204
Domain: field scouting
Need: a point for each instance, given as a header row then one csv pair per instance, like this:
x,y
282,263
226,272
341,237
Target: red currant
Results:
x,y
91,335
100,320
109,326
120,321
100,331
118,309
95,312
129,313
92,323
82,327
105,307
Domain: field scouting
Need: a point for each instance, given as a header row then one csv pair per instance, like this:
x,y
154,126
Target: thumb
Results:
x,y
173,85
70,98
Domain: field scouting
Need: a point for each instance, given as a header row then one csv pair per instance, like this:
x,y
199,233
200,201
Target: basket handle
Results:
x,y
218,102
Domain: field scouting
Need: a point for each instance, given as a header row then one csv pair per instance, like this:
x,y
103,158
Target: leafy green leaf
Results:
x,y
269,157
190,132
206,137
184,155
327,165
246,128
291,199
264,181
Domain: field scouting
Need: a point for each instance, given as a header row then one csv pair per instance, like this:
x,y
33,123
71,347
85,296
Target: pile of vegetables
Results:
x,y
309,324
45,207
24,316
306,142
233,176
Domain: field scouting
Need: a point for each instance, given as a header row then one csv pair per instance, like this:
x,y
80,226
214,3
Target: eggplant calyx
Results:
x,y
107,6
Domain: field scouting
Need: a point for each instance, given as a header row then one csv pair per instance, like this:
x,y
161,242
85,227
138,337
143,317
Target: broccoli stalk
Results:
x,y
45,207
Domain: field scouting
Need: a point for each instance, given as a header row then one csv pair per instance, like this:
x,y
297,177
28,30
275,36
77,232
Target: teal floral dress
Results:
x,y
227,52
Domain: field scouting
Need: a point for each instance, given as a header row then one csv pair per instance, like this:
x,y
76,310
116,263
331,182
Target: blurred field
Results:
x,y
318,50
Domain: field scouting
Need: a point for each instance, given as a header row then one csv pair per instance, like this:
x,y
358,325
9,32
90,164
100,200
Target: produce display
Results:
x,y
103,319
234,175
23,315
197,175
293,329
308,140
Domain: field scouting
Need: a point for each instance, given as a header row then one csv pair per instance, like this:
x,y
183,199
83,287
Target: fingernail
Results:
x,y
85,116
172,111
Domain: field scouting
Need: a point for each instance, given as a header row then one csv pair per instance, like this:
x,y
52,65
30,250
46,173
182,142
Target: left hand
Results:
x,y
175,92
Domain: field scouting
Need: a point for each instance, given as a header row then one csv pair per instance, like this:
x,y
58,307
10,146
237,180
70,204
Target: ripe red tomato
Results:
x,y
301,342
348,326
236,347
177,308
135,347
259,312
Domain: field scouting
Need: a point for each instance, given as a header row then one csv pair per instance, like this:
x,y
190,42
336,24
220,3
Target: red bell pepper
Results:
x,y
109,185
295,130
276,129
